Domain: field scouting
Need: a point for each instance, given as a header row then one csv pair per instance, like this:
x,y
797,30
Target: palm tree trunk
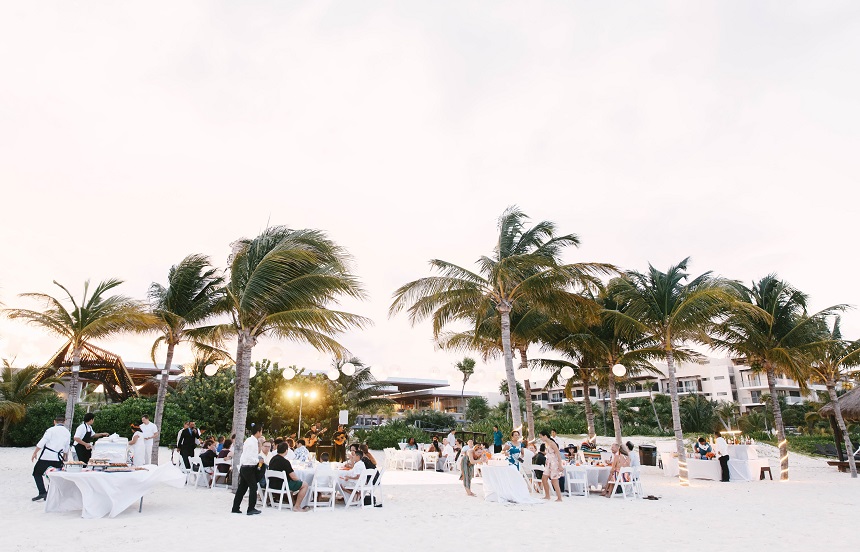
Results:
x,y
777,421
683,476
654,408
159,402
241,389
516,416
530,416
840,421
613,402
72,397
586,402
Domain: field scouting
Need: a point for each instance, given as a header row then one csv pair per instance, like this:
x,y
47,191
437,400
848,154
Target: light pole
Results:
x,y
301,395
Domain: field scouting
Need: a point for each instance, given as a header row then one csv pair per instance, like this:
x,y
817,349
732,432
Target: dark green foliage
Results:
x,y
118,418
698,414
430,419
39,417
477,409
208,400
387,436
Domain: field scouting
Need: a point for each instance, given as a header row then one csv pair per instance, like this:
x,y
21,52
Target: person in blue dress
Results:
x,y
514,448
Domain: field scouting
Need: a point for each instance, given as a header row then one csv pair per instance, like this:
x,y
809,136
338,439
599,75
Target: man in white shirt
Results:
x,y
634,458
447,454
451,438
349,480
49,453
149,431
248,466
722,450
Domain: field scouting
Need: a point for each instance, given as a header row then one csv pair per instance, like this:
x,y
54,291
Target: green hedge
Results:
x,y
39,417
387,436
118,418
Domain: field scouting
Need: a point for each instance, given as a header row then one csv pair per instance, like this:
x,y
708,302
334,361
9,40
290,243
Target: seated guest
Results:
x,y
225,454
349,463
366,451
571,453
324,457
349,480
448,454
634,458
702,448
220,444
620,459
207,457
280,463
411,444
437,446
301,452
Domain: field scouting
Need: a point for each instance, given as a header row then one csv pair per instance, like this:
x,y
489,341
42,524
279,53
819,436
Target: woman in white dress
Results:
x,y
138,448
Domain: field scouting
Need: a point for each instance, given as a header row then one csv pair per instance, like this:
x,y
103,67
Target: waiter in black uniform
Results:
x,y
187,443
85,437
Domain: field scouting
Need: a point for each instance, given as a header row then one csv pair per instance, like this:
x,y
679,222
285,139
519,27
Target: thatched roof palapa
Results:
x,y
849,404
97,365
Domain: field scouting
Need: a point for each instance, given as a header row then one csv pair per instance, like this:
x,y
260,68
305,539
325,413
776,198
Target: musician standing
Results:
x,y
84,438
339,443
312,436
50,452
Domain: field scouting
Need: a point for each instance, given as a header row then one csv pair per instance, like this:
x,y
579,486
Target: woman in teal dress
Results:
x,y
514,448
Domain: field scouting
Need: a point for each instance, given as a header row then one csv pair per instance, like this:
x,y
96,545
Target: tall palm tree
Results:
x,y
191,297
770,326
524,268
362,392
281,284
829,361
670,309
96,317
18,390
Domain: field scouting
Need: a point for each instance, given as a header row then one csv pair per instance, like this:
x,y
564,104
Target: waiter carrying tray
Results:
x,y
84,438
50,452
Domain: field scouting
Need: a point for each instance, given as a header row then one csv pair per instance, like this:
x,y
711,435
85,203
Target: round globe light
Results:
x,y
619,370
332,375
253,372
566,372
313,394
289,374
210,370
348,369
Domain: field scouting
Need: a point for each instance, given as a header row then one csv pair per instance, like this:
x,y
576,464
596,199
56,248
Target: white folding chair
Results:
x,y
637,483
216,474
411,460
363,488
376,488
324,483
576,479
624,480
430,459
390,458
196,472
268,496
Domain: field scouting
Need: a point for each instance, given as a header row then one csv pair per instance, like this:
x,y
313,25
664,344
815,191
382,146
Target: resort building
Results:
x,y
427,394
719,379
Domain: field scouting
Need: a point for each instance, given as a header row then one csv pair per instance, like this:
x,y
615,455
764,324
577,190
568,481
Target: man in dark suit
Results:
x,y
187,443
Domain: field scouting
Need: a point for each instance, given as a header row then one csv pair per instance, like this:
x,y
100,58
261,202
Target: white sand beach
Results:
x,y
422,507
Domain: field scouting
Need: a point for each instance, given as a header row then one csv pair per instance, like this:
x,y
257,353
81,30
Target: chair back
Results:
x,y
275,476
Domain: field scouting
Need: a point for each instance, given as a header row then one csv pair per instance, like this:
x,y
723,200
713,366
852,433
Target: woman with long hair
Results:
x,y
554,470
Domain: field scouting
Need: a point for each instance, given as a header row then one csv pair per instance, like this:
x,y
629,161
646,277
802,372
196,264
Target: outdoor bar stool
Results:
x,y
765,469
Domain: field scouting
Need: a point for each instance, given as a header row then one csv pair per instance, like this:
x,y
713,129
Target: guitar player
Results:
x,y
313,435
339,443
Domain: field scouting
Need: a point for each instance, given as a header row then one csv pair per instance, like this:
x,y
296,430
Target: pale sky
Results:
x,y
134,134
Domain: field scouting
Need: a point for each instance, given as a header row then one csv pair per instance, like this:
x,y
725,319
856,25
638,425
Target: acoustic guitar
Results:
x,y
314,437
340,439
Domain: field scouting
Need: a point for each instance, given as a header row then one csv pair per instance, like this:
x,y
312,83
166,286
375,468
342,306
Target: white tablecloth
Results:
x,y
100,494
505,484
598,476
307,475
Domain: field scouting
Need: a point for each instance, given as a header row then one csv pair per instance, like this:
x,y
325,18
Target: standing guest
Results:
x,y
149,431
301,452
723,454
50,452
179,433
702,448
538,462
554,470
84,438
634,458
338,441
514,448
497,440
248,466
452,437
138,448
620,459
187,443
475,455
280,463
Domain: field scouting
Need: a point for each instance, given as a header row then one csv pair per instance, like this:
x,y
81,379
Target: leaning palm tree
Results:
x,y
670,309
281,284
18,390
96,317
191,297
770,326
829,361
467,368
524,268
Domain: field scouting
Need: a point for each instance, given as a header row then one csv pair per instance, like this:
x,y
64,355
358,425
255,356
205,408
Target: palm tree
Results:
x,y
670,309
281,284
829,360
524,268
467,368
362,392
18,390
772,329
191,296
583,377
96,317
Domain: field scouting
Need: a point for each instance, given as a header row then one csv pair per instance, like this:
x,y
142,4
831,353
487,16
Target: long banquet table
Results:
x,y
100,494
505,484
598,476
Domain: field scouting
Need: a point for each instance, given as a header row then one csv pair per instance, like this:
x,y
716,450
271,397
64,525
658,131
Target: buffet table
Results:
x,y
696,469
744,463
505,484
100,494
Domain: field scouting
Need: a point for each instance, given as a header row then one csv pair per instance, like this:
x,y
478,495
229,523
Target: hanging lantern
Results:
x,y
348,369
566,372
289,374
210,370
619,370
253,372
332,375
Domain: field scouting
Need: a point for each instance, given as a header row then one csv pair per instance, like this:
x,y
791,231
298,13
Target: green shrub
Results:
x,y
388,435
39,417
118,418
430,419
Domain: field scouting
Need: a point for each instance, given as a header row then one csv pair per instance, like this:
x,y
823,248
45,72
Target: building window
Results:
x,y
706,379
719,377
794,393
722,393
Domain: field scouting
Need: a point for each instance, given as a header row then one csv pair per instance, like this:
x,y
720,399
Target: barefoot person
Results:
x,y
475,455
554,470
620,459
280,463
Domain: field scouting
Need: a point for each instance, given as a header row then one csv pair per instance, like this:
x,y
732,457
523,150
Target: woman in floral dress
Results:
x,y
554,470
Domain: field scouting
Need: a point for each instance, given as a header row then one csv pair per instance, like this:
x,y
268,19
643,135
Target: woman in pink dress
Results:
x,y
554,470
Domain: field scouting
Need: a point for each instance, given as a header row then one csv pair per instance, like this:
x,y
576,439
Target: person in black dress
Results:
x,y
339,444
